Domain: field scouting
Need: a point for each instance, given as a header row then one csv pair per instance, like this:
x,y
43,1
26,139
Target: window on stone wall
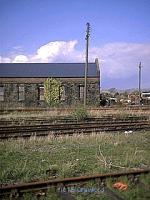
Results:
x,y
21,93
1,93
41,93
81,92
63,94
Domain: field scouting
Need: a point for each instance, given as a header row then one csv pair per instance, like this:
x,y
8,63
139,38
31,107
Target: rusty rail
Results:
x,y
64,183
54,120
127,107
71,128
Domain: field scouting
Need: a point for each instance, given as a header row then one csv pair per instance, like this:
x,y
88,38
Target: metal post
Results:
x,y
86,64
140,83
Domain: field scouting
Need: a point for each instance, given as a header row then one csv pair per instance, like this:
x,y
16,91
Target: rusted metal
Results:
x,y
46,121
36,109
59,183
71,128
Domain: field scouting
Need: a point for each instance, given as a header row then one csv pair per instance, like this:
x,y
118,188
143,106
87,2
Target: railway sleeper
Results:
x,y
62,186
66,127
26,134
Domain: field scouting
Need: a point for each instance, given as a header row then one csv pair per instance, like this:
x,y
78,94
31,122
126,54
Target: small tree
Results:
x,y
52,91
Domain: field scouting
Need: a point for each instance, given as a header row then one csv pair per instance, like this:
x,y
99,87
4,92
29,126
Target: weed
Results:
x,y
80,113
28,160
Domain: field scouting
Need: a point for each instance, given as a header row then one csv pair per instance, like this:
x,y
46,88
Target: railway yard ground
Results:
x,y
49,158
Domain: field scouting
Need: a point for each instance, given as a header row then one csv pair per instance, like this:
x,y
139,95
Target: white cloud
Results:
x,y
117,60
18,48
122,59
20,59
49,52
5,60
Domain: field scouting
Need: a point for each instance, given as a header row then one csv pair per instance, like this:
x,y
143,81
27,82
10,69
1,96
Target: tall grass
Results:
x,y
50,113
25,160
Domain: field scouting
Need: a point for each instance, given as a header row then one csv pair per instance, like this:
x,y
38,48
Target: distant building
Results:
x,y
145,97
22,84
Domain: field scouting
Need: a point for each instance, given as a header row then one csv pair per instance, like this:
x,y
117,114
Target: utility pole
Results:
x,y
140,83
86,63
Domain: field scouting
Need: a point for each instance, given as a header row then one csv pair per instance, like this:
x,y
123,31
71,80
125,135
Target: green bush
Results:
x,y
80,113
52,91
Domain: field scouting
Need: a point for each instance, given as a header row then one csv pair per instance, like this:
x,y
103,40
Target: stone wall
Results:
x,y
31,89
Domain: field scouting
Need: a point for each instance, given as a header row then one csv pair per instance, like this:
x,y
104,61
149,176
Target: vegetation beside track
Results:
x,y
68,156
39,158
71,112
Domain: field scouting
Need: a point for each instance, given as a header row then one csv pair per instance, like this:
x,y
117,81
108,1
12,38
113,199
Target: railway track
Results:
x,y
54,120
45,129
35,109
65,187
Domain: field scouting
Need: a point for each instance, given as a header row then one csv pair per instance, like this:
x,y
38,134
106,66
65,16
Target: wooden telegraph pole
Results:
x,y
140,83
86,64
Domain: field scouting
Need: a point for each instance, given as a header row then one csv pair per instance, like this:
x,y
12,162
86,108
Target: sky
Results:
x,y
54,31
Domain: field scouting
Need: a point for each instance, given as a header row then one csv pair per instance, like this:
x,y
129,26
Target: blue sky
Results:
x,y
54,31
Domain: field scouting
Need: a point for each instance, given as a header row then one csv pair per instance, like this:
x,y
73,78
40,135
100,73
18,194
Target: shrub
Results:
x,y
52,91
80,113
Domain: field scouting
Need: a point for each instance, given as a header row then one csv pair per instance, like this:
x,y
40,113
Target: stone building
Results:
x,y
22,84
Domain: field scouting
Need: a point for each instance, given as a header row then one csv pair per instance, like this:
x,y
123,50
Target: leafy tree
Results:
x,y
52,91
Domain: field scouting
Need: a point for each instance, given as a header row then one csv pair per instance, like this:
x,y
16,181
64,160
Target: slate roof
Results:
x,y
46,70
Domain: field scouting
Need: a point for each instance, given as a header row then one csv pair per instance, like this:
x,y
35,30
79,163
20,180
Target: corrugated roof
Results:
x,y
46,70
